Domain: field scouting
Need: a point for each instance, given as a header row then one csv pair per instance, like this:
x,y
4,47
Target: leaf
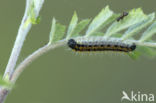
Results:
x,y
72,25
57,32
149,52
137,27
134,55
31,9
79,27
52,32
149,32
97,34
135,16
32,17
118,35
134,22
99,21
35,20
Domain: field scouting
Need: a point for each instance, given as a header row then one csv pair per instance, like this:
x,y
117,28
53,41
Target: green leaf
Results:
x,y
72,25
148,33
137,27
97,34
36,20
118,35
135,16
79,27
134,55
52,32
149,52
135,22
32,13
57,32
100,20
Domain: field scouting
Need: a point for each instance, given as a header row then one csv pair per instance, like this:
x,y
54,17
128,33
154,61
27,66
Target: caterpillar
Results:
x,y
100,45
122,16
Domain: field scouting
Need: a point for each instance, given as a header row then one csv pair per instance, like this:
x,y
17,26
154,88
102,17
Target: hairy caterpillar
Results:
x,y
122,16
100,45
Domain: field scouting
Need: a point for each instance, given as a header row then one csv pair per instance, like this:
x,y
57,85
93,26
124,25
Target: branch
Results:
x,y
33,57
30,17
32,9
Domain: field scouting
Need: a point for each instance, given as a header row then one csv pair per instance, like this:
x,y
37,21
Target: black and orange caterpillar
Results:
x,y
101,46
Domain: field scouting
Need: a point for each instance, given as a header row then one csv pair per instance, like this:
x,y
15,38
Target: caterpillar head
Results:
x,y
72,43
133,47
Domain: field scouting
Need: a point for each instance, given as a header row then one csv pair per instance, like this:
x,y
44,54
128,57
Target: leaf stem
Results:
x,y
147,44
21,35
22,32
33,57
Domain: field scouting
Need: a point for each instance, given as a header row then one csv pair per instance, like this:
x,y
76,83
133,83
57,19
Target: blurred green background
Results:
x,y
62,76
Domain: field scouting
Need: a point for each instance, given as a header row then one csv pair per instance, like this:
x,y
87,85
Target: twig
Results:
x,y
3,94
22,33
32,57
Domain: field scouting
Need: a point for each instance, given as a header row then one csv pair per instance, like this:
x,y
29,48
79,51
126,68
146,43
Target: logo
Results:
x,y
137,97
